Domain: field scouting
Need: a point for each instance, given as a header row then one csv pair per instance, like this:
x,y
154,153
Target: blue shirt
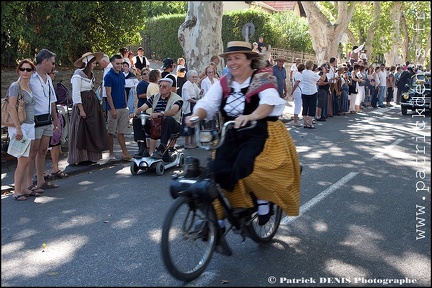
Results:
x,y
141,89
117,83
225,70
280,76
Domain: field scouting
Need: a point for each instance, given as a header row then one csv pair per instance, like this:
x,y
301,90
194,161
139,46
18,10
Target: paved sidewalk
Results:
x,y
8,167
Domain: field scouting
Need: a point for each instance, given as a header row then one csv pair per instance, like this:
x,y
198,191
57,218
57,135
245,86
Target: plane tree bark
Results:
x,y
200,35
326,35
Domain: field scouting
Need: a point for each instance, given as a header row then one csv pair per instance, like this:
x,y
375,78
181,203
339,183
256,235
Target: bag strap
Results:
x,y
49,97
20,93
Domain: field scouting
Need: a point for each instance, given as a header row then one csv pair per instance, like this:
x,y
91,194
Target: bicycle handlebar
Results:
x,y
210,136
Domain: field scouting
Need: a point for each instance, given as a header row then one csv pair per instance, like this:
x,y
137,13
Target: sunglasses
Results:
x,y
26,69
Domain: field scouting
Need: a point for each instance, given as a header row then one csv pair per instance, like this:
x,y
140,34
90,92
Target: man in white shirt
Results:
x,y
45,97
382,75
363,56
140,61
332,77
106,65
293,69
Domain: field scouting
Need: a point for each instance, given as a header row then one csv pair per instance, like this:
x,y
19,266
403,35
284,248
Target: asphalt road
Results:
x,y
365,219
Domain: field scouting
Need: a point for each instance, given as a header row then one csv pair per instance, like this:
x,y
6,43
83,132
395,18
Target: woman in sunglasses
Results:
x,y
25,130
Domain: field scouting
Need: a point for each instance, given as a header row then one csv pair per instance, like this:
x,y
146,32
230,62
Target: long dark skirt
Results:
x,y
88,137
344,99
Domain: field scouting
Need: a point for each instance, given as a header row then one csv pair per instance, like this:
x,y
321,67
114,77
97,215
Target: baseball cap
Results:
x,y
166,80
167,63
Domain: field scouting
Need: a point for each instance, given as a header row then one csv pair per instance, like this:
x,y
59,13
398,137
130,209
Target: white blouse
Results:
x,y
80,83
206,84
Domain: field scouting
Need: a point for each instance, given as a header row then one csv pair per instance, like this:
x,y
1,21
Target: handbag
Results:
x,y
6,120
156,127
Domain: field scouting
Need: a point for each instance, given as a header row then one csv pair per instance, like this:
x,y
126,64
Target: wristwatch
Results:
x,y
163,113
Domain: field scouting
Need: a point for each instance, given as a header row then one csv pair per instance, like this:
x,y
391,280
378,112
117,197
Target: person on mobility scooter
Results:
x,y
165,104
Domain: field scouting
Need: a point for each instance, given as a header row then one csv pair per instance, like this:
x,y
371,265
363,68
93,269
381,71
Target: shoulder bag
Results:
x,y
6,120
44,119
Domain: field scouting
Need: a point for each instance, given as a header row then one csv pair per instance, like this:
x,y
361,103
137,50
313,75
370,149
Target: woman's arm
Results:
x,y
200,112
76,95
296,84
14,114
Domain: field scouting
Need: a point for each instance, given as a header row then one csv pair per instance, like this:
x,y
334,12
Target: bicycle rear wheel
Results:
x,y
265,233
188,238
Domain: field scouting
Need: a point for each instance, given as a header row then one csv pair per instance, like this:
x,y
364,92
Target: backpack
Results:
x,y
62,93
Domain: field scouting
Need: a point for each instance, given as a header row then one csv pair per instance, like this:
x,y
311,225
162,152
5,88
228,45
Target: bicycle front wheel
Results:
x,y
188,238
265,233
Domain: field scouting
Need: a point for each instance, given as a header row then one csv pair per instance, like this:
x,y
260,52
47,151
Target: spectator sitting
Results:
x,y
165,104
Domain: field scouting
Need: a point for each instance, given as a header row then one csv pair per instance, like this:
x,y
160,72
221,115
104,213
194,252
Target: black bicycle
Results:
x,y
190,229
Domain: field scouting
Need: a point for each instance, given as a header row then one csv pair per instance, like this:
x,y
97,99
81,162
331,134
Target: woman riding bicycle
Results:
x,y
262,160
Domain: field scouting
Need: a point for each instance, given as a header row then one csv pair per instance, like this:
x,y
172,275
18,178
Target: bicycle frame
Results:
x,y
203,185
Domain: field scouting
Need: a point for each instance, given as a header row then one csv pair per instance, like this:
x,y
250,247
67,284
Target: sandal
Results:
x,y
34,194
20,197
48,185
35,189
59,174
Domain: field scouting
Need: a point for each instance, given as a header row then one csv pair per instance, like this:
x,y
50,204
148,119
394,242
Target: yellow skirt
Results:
x,y
275,177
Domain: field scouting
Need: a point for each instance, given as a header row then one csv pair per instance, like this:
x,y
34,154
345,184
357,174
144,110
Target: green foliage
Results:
x,y
233,22
71,28
13,25
382,40
292,32
418,18
162,34
159,8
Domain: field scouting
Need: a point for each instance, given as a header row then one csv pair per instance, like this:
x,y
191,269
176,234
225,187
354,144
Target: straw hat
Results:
x,y
280,59
86,57
238,47
340,67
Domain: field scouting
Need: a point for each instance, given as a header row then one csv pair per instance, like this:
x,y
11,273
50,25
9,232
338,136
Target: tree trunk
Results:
x,y
325,35
371,29
200,35
426,51
406,39
391,57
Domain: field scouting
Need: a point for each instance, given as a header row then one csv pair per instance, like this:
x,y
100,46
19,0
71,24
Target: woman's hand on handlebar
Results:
x,y
188,122
243,120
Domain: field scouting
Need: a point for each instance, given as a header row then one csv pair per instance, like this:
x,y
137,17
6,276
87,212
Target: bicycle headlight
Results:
x,y
406,96
206,136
